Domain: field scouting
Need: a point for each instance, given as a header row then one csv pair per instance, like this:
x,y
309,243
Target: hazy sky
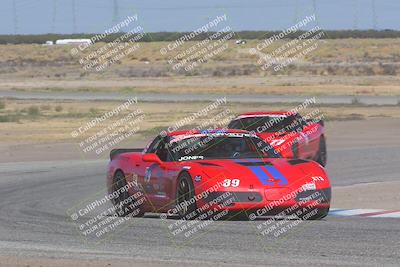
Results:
x,y
68,16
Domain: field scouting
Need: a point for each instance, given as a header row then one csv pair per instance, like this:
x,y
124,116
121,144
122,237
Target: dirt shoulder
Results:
x,y
384,195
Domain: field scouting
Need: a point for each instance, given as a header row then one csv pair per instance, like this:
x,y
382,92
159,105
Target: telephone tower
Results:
x,y
355,19
314,7
53,22
296,11
115,12
73,3
374,16
14,3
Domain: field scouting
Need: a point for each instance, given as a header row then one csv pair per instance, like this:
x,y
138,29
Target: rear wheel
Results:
x,y
124,204
185,200
322,155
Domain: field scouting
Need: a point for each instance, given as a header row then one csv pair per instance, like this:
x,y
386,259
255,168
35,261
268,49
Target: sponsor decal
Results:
x,y
190,158
309,186
317,178
147,174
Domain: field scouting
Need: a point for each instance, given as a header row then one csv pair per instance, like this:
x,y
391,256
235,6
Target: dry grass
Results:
x,y
339,50
278,85
345,66
56,126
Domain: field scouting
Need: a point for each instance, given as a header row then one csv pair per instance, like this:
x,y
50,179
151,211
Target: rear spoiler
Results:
x,y
320,121
117,151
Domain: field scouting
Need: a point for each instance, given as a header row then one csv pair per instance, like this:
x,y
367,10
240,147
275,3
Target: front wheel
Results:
x,y
124,204
322,155
185,201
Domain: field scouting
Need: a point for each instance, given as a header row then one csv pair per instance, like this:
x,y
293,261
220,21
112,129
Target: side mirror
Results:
x,y
151,157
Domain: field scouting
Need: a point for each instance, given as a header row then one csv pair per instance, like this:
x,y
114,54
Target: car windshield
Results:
x,y
219,146
265,123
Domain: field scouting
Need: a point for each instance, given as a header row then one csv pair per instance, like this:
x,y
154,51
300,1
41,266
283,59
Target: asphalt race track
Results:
x,y
35,198
173,97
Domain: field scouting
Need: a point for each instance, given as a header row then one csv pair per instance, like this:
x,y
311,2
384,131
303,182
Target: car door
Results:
x,y
144,171
161,180
158,179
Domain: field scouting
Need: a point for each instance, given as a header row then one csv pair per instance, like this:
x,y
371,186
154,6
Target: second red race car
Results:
x,y
208,173
292,135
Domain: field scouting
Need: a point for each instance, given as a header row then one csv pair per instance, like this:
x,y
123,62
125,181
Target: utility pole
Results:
x,y
115,12
296,11
374,16
355,19
15,16
314,6
73,16
53,23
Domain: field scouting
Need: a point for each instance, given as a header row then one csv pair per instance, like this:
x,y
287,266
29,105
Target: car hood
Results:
x,y
271,172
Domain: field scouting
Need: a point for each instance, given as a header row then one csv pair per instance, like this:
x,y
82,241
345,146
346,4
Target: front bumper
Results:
x,y
267,202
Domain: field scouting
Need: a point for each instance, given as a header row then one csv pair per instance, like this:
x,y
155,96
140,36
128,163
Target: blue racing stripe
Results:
x,y
253,160
277,175
257,170
261,175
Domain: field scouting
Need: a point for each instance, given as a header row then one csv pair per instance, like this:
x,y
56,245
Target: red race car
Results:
x,y
215,174
292,135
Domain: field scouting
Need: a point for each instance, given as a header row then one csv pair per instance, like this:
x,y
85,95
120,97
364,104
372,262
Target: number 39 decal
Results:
x,y
229,182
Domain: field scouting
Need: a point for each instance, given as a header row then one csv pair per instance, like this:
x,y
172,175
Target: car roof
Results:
x,y
183,132
264,113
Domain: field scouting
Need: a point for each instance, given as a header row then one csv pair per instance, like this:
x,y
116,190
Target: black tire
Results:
x,y
321,213
185,201
124,204
322,155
